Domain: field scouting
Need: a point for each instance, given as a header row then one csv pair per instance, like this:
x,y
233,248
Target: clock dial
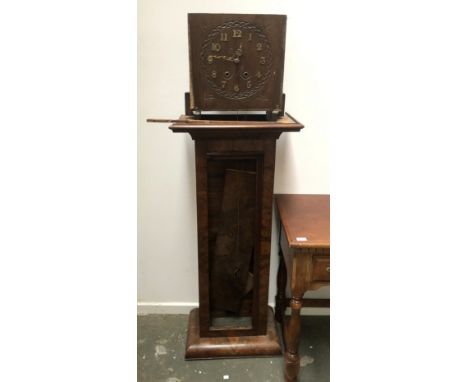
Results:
x,y
236,59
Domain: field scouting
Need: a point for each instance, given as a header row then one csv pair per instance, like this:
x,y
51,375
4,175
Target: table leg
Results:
x,y
293,330
280,298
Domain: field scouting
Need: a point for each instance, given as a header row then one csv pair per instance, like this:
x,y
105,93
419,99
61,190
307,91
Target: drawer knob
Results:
x,y
328,269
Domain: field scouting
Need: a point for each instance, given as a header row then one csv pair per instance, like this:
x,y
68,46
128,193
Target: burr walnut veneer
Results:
x,y
235,166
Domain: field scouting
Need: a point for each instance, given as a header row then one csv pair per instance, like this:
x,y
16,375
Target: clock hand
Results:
x,y
238,52
218,57
232,58
235,57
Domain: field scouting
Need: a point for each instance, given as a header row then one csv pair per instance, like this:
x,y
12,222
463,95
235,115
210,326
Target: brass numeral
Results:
x,y
258,74
248,84
213,74
210,59
236,88
215,46
223,36
223,84
236,33
259,46
262,60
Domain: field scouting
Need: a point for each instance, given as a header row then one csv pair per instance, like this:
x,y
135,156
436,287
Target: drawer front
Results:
x,y
321,268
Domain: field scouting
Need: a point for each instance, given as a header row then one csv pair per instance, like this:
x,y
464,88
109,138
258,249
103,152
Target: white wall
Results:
x,y
167,245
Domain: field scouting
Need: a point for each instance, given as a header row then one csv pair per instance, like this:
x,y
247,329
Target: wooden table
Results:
x,y
304,264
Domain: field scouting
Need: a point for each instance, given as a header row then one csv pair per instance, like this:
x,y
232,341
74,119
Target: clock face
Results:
x,y
236,59
236,63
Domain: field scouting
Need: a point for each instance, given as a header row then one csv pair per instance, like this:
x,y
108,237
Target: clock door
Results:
x,y
233,226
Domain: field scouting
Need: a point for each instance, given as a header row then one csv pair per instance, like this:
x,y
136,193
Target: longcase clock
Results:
x,y
235,113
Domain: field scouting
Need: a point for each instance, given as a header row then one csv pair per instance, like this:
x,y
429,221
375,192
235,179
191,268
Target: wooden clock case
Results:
x,y
235,165
250,49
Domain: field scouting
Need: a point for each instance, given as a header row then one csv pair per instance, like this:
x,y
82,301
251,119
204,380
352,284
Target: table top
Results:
x,y
305,219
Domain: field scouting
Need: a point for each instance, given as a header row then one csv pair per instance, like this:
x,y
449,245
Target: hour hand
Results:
x,y
226,58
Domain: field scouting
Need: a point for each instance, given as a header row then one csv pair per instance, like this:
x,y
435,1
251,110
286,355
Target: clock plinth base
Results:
x,y
231,347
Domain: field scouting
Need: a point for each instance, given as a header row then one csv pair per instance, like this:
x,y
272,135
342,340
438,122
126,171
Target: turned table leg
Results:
x,y
293,330
280,298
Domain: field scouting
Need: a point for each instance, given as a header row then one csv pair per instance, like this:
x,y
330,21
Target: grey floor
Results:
x,y
161,346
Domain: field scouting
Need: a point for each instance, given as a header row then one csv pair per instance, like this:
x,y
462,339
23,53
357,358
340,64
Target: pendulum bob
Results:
x,y
230,278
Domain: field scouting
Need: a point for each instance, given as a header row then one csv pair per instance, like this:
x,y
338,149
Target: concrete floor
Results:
x,y
161,347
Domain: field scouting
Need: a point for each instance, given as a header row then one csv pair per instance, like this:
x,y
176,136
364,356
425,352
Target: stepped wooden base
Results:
x,y
231,347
